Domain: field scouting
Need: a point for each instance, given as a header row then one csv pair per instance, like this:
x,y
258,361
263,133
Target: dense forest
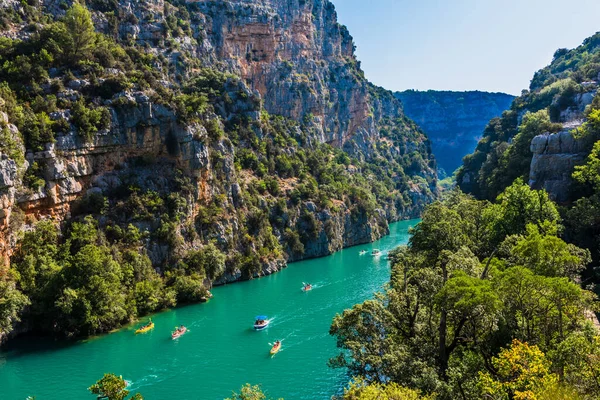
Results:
x,y
549,138
484,302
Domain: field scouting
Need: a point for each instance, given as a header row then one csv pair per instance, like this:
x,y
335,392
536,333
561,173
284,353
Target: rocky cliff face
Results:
x,y
555,155
554,159
453,121
294,53
293,60
535,140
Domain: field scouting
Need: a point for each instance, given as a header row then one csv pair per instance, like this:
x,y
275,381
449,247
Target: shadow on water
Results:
x,y
33,343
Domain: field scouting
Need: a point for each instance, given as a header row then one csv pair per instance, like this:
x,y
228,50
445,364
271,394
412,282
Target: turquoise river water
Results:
x,y
221,351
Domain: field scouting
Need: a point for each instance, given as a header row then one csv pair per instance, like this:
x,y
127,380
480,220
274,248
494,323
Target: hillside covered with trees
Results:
x,y
484,302
136,171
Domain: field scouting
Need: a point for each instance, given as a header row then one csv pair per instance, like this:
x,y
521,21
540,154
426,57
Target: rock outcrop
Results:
x,y
556,155
554,159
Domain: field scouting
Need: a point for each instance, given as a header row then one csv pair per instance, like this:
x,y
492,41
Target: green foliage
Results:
x,y
577,358
249,392
521,372
546,254
33,178
89,120
9,145
12,303
474,277
359,390
112,387
80,37
81,284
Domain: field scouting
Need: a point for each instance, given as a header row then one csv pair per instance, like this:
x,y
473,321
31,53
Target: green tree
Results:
x,y
519,206
577,361
12,302
37,267
359,390
112,387
249,392
92,299
521,372
81,34
546,254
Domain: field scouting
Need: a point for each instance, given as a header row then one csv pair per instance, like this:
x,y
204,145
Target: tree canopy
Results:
x,y
480,303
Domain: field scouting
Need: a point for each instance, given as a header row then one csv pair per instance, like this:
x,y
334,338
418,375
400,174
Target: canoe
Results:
x,y
177,334
145,328
276,347
307,288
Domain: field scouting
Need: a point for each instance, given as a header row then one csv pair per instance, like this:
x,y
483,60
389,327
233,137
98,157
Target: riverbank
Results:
x,y
221,351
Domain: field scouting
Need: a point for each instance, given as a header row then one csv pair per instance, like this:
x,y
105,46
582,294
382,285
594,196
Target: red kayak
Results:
x,y
179,332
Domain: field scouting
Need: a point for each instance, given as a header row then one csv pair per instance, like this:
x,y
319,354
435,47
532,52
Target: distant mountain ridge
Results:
x,y
454,121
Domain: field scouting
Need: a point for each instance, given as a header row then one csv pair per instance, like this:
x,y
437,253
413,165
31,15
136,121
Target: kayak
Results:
x,y
363,252
307,288
178,333
276,347
145,328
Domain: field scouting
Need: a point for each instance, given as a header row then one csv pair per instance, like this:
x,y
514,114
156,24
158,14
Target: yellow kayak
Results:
x,y
145,328
276,347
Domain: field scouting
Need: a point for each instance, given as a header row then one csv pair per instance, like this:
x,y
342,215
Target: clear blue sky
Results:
x,y
490,45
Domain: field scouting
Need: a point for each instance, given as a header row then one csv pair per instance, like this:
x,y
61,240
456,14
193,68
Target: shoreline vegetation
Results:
x,y
483,302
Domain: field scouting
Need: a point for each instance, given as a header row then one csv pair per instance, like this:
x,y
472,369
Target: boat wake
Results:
x,y
147,380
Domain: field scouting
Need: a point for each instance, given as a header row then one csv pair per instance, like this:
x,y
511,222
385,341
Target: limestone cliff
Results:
x,y
453,121
293,60
555,155
540,138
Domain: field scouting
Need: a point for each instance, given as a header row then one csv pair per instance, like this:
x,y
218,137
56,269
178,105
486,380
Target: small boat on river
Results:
x,y
362,253
276,347
376,252
261,322
179,332
148,327
307,287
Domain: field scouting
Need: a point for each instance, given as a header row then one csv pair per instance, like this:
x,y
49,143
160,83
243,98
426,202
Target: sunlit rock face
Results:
x,y
294,60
